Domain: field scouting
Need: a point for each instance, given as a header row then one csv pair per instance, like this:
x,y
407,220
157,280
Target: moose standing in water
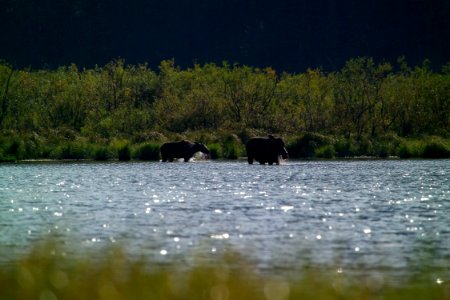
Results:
x,y
183,149
266,150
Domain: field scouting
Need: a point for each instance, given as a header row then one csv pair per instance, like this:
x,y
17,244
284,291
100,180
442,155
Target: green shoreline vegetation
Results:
x,y
124,112
47,272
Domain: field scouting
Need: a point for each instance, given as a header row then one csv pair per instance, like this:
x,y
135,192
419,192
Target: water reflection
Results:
x,y
370,212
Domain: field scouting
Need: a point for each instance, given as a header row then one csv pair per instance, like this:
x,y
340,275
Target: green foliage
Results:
x,y
325,152
404,151
19,147
147,151
381,146
77,149
436,148
433,147
6,157
215,151
14,150
46,272
232,147
123,151
249,95
307,145
346,147
101,152
359,106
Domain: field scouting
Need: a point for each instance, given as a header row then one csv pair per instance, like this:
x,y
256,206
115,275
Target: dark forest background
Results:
x,y
286,35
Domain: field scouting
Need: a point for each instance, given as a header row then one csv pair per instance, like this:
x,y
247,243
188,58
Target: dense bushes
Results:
x,y
308,144
147,151
120,100
223,146
319,146
436,149
11,151
433,147
70,113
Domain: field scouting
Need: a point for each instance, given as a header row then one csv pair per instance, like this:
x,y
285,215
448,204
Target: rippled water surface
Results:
x,y
379,214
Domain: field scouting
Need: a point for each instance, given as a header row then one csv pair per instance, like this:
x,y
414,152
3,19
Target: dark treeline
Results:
x,y
364,101
285,34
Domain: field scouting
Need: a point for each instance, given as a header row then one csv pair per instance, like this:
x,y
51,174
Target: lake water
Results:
x,y
380,214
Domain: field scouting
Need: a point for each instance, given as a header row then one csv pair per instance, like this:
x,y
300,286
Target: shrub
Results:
x,y
16,149
142,137
147,151
3,158
386,145
381,148
307,145
404,151
232,147
70,150
346,148
215,151
436,148
200,136
366,147
101,153
32,149
27,146
430,148
410,149
124,152
325,152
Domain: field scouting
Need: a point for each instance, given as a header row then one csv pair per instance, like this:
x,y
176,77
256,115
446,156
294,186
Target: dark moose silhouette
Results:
x,y
182,149
266,150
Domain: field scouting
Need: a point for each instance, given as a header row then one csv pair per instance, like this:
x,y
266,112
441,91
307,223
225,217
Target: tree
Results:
x,y
249,94
6,73
357,95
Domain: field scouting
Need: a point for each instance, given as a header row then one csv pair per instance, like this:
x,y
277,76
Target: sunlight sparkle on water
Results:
x,y
222,236
333,209
286,208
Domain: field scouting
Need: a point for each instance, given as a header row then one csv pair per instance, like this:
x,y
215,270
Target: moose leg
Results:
x,y
277,161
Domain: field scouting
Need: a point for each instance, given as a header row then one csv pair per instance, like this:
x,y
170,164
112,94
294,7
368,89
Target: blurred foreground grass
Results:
x,y
46,273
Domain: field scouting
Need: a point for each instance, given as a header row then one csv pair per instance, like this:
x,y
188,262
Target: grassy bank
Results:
x,y
223,145
46,273
312,145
